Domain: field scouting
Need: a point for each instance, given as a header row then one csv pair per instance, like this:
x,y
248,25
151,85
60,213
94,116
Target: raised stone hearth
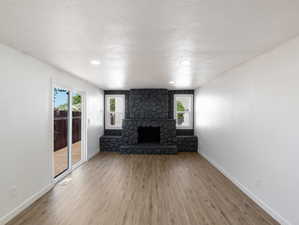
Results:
x,y
148,149
110,143
187,143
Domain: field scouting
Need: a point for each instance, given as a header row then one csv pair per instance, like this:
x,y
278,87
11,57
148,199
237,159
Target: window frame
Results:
x,y
191,126
107,110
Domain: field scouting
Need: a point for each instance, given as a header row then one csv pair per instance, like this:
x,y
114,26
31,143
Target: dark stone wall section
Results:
x,y
114,143
148,149
187,143
110,143
184,132
148,104
110,132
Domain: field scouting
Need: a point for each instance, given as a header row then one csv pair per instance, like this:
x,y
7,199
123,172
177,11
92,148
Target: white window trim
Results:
x,y
107,127
191,113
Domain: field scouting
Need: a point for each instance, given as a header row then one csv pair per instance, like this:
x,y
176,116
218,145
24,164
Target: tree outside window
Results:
x,y
114,111
180,112
183,111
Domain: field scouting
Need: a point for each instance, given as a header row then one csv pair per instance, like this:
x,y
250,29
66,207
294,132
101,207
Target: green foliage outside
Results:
x,y
112,104
77,99
180,107
180,116
63,107
76,105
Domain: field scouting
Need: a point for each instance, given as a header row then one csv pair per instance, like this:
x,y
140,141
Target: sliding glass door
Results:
x,y
76,128
68,136
61,127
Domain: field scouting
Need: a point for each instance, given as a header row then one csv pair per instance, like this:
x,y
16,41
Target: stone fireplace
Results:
x,y
166,130
148,127
148,123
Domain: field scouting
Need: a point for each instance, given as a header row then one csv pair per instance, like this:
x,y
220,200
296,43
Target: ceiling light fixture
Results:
x,y
95,62
172,82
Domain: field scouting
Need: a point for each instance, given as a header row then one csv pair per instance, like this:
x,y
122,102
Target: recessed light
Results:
x,y
95,62
172,82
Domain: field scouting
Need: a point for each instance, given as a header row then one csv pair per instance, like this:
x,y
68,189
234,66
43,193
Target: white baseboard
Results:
x,y
5,219
251,195
93,155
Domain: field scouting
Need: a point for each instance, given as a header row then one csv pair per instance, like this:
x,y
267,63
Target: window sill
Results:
x,y
184,128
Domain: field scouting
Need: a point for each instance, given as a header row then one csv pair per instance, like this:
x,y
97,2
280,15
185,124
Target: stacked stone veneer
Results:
x,y
187,143
184,144
148,104
148,108
110,143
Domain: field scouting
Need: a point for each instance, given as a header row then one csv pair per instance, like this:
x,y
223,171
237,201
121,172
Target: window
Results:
x,y
183,111
115,111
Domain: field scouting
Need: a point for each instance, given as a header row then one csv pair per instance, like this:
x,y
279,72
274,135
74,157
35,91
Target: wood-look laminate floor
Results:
x,y
61,157
114,189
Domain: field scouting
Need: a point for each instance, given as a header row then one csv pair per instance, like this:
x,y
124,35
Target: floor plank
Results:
x,y
114,189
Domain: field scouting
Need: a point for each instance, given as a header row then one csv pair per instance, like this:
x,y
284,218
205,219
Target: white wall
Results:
x,y
247,121
25,121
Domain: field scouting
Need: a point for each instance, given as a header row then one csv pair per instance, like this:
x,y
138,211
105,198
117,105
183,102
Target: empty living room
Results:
x,y
149,112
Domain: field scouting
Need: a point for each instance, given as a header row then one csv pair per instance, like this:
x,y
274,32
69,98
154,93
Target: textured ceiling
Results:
x,y
147,43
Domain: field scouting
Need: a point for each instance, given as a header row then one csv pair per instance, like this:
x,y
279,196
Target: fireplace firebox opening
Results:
x,y
148,135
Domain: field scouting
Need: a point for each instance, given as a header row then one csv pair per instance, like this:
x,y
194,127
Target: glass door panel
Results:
x,y
61,115
76,128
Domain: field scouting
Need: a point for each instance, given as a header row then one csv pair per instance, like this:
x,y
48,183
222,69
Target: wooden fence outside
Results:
x,y
61,128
